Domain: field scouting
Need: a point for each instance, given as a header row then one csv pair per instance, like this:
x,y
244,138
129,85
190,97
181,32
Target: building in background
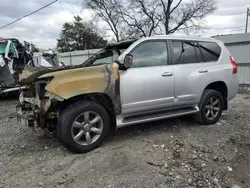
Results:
x,y
239,47
76,57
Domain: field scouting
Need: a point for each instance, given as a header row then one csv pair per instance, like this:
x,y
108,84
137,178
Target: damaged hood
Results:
x,y
29,75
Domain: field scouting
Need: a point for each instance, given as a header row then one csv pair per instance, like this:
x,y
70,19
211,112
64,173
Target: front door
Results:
x,y
149,84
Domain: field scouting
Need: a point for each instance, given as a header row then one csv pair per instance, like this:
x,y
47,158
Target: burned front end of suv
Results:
x,y
51,90
47,94
36,105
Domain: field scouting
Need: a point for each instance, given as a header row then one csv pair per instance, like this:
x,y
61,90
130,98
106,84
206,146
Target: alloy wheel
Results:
x,y
87,128
212,108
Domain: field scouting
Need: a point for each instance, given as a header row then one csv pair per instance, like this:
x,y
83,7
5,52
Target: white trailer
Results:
x,y
76,57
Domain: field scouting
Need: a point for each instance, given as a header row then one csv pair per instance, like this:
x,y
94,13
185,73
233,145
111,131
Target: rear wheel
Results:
x,y
83,126
211,107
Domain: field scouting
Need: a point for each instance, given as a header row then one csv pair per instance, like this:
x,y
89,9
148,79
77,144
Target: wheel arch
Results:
x,y
100,98
222,88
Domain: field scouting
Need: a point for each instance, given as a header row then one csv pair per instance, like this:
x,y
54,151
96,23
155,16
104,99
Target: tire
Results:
x,y
204,117
73,122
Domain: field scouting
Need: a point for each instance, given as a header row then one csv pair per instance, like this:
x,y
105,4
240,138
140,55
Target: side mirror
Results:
x,y
128,61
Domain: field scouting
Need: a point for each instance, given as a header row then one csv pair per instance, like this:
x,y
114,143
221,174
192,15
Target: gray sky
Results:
x,y
43,28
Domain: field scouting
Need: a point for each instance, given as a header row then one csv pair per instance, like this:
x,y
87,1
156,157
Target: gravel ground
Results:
x,y
170,153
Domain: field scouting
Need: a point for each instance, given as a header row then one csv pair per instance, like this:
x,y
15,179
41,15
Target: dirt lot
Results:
x,y
169,153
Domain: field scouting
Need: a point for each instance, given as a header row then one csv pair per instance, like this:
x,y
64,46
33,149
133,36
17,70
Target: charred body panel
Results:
x,y
86,80
49,90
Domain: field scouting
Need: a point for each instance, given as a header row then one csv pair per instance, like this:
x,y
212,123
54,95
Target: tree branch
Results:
x,y
176,6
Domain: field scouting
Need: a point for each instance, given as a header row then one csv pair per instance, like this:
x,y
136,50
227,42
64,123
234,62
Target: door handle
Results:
x,y
167,74
203,71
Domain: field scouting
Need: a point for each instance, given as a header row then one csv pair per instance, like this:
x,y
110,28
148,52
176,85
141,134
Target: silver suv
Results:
x,y
128,83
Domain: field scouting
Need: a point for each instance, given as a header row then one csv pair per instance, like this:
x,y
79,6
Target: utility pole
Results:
x,y
248,14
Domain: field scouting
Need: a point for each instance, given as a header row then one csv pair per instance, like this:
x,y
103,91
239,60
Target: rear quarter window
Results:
x,y
210,50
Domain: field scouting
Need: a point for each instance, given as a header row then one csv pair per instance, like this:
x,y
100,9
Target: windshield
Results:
x,y
109,59
3,47
108,54
104,56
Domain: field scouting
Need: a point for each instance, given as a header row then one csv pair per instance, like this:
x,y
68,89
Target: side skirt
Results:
x,y
122,121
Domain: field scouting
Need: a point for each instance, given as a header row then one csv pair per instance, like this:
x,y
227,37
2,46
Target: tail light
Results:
x,y
235,70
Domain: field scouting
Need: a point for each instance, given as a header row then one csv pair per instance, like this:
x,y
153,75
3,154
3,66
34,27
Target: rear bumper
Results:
x,y
233,88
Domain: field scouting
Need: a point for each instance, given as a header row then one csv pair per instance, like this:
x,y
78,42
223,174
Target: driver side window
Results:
x,y
150,54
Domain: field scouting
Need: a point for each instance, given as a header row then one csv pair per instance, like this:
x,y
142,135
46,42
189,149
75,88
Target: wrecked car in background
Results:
x,y
151,79
14,57
11,59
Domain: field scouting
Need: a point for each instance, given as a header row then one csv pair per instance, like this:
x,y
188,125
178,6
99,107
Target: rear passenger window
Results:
x,y
210,50
185,52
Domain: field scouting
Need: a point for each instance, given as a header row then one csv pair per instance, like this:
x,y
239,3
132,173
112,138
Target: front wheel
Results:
x,y
83,126
211,107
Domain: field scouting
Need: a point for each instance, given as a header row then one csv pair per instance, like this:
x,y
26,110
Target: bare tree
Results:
x,y
147,17
136,18
186,16
140,17
107,10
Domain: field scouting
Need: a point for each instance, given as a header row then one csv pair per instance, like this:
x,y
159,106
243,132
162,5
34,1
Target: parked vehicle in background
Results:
x,y
14,57
153,78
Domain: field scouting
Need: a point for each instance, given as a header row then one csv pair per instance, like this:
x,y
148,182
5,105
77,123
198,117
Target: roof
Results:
x,y
127,43
176,37
234,38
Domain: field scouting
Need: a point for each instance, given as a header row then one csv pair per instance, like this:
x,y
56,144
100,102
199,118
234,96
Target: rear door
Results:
x,y
193,62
